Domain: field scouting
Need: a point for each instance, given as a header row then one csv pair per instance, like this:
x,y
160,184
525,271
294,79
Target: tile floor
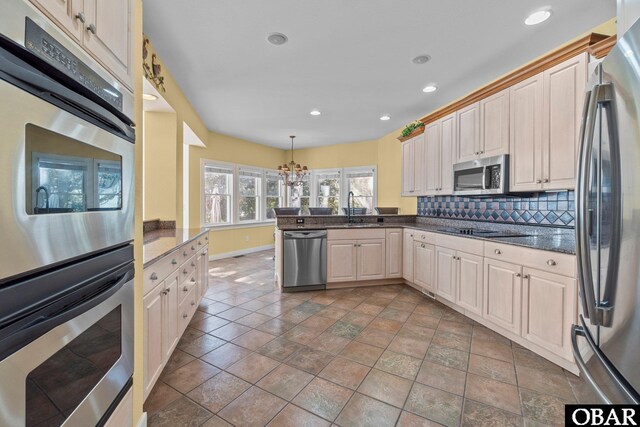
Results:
x,y
378,356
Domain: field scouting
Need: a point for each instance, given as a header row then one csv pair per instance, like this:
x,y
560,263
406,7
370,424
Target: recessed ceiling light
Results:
x,y
315,112
430,88
538,17
422,59
277,39
385,117
149,97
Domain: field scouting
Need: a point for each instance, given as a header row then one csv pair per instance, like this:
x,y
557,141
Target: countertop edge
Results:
x,y
163,254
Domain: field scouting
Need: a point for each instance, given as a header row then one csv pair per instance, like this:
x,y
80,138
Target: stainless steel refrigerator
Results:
x,y
606,341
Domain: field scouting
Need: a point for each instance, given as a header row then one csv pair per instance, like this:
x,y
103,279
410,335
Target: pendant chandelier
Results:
x,y
292,173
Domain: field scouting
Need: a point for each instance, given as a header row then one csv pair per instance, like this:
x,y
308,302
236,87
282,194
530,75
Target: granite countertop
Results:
x,y
158,243
544,238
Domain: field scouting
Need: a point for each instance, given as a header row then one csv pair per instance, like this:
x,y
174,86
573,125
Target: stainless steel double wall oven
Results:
x,y
66,228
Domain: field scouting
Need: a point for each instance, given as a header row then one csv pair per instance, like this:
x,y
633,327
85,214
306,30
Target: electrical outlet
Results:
x,y
299,220
380,219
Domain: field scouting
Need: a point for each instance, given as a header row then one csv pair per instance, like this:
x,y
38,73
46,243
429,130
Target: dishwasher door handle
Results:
x,y
316,234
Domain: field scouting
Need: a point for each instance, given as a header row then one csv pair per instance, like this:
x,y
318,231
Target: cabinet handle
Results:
x,y
184,271
164,292
185,289
497,251
185,315
184,253
526,276
193,264
80,17
518,274
168,290
422,245
538,181
92,29
482,152
206,237
193,248
545,180
154,276
193,279
476,153
199,243
174,261
193,303
551,262
424,236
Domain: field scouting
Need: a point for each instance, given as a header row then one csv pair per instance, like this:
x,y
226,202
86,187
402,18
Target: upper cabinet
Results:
x,y
544,125
102,27
483,128
413,166
440,140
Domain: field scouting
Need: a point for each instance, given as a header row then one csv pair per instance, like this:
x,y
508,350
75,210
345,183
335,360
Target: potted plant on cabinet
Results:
x,y
411,130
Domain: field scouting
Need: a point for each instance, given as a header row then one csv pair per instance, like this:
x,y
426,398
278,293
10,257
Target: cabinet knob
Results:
x,y
545,180
482,152
497,251
422,245
184,253
174,261
551,262
526,276
80,17
518,274
206,237
154,276
193,303
184,271
92,29
193,279
165,292
199,243
185,289
193,248
538,181
424,236
168,290
476,153
193,264
185,315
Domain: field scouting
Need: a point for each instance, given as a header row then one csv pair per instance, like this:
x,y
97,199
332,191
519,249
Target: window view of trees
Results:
x,y
217,197
249,196
362,187
109,186
300,196
275,193
329,192
66,185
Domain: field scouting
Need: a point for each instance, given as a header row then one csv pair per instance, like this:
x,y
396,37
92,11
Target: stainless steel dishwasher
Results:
x,y
305,260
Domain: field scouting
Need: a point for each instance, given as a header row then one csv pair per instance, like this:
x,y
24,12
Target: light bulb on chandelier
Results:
x,y
292,173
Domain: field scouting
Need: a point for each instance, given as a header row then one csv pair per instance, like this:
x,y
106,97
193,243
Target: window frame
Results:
x,y
258,194
203,195
269,173
345,184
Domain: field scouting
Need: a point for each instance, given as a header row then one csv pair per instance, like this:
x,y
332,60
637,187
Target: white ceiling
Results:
x,y
351,59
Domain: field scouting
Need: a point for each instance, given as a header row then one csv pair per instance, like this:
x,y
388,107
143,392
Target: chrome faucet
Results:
x,y
350,198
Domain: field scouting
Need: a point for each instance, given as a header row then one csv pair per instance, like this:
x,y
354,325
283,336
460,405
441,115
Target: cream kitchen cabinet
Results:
x,y
413,166
352,260
424,265
469,283
446,273
483,128
549,308
407,255
503,294
545,114
440,139
395,243
102,27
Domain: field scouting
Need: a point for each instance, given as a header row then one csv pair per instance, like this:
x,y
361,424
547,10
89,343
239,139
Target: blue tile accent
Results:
x,y
555,208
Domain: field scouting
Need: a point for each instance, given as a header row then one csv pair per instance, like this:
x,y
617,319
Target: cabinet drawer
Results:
x,y
187,285
377,233
186,309
424,237
552,262
188,250
463,244
159,270
188,267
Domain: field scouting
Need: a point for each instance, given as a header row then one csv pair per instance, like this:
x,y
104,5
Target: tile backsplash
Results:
x,y
553,208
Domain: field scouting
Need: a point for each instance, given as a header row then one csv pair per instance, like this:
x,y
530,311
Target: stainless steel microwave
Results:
x,y
481,177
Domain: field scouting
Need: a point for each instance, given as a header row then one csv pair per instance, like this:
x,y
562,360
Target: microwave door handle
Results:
x,y
585,278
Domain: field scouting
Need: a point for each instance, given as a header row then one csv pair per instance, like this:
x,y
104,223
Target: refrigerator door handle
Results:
x,y
585,279
575,331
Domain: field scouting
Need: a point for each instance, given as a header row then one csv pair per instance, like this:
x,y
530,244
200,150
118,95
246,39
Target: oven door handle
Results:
x,y
59,312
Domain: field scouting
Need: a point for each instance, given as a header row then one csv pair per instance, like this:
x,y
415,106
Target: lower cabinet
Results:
x,y
407,255
371,259
424,266
352,260
469,283
502,294
446,273
549,307
394,242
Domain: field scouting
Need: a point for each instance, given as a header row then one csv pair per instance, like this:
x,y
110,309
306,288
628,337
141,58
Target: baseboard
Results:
x,y
142,422
240,252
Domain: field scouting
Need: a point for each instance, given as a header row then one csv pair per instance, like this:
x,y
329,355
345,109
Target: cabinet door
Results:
x,y
65,14
170,316
371,259
494,124
341,261
407,168
548,310
564,88
502,294
446,273
525,129
154,355
107,35
424,260
470,278
203,272
432,143
468,146
447,153
407,255
394,252
419,167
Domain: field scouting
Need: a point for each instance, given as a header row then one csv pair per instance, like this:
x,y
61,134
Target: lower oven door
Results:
x,y
75,373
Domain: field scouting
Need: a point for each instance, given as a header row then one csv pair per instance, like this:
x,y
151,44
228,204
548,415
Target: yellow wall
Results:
x,y
232,150
160,165
363,153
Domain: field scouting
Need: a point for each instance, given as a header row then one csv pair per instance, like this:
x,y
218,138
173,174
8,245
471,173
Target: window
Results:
x,y
249,189
274,193
361,182
327,187
218,190
63,181
300,196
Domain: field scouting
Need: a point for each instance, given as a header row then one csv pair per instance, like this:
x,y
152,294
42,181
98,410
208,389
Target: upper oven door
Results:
x,y
66,169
